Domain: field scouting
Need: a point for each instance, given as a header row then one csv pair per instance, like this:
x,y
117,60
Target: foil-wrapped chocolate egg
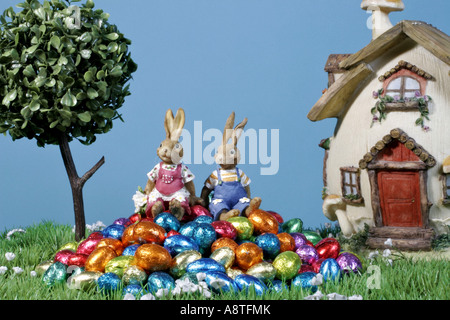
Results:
x,y
134,289
316,265
247,283
277,286
187,229
181,261
63,256
87,246
43,266
160,280
225,256
287,242
108,282
263,222
179,243
98,259
224,229
270,244
349,262
113,231
312,236
243,226
248,254
233,272
328,248
204,235
118,264
134,275
130,250
148,232
135,217
204,219
69,246
306,268
264,271
128,236
196,211
114,244
77,259
172,233
204,265
55,274
299,239
153,257
292,225
167,221
307,253
276,216
224,242
330,269
123,221
83,281
220,282
287,265
95,235
304,280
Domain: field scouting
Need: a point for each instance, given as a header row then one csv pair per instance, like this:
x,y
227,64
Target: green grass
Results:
x,y
405,279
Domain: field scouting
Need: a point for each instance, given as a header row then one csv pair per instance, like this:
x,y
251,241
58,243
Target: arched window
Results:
x,y
404,84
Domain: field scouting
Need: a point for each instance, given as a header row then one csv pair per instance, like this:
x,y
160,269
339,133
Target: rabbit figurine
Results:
x,y
170,183
230,185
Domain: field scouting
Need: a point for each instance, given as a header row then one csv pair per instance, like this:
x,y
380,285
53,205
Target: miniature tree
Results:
x,y
63,75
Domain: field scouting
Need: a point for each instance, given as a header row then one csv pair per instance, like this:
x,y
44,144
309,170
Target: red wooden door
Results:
x,y
400,198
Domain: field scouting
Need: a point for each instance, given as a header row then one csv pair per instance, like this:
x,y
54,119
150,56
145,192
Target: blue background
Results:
x,y
264,59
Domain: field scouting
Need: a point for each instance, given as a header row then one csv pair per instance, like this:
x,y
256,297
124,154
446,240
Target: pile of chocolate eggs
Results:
x,y
144,254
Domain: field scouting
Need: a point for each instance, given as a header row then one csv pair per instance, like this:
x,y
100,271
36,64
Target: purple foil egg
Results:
x,y
349,262
299,239
307,253
123,221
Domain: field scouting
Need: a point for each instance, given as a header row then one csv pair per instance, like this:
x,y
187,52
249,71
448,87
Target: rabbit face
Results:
x,y
170,152
227,156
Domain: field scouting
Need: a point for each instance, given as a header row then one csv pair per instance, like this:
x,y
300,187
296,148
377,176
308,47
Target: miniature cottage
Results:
x,y
388,163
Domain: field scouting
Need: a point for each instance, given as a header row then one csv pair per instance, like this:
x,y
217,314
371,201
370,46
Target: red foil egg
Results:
x,y
95,235
306,268
172,233
63,256
77,259
224,229
196,211
277,216
87,246
135,217
316,265
328,248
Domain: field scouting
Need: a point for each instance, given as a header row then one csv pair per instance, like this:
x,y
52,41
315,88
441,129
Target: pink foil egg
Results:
x,y
224,229
63,256
277,216
87,246
328,248
307,253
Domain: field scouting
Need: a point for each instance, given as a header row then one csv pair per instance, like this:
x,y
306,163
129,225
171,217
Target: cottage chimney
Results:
x,y
380,14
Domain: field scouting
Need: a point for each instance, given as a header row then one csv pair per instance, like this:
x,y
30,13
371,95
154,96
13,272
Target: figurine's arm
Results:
x,y
193,200
205,195
149,187
247,189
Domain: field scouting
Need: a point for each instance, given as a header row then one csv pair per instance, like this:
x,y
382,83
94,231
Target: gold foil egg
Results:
x,y
181,260
248,254
98,259
287,242
233,272
225,256
69,246
243,227
134,275
84,280
224,242
119,264
148,232
114,244
43,266
263,222
128,236
153,257
264,271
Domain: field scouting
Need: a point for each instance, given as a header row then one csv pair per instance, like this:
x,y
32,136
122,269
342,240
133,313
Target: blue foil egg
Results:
x,y
108,282
205,265
246,282
114,231
167,221
330,269
160,280
304,281
187,229
277,286
134,289
204,235
204,219
178,243
270,244
130,250
219,282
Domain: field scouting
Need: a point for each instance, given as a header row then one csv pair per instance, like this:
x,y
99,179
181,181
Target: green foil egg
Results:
x,y
312,236
287,265
55,274
134,275
68,246
243,227
119,264
264,271
181,260
293,225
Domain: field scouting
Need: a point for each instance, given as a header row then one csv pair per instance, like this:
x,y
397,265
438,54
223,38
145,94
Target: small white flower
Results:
x,y
3,269
389,262
330,235
10,256
244,200
17,270
388,242
10,233
180,198
327,225
386,253
355,297
316,296
33,273
317,280
162,292
216,201
217,283
373,254
148,296
201,276
336,296
129,296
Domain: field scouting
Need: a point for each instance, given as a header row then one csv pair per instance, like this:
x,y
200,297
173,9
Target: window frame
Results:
x,y
445,177
354,184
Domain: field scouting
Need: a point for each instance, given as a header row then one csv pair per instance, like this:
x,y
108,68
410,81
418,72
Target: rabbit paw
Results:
x,y
230,214
157,208
176,209
254,205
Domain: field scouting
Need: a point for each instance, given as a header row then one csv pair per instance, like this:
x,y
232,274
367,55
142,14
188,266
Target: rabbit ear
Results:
x,y
228,130
178,125
237,132
168,123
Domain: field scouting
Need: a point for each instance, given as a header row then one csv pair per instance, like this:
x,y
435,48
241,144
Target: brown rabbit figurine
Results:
x,y
170,183
230,184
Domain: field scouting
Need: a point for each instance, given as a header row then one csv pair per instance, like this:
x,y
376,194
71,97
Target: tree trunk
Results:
x,y
76,183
